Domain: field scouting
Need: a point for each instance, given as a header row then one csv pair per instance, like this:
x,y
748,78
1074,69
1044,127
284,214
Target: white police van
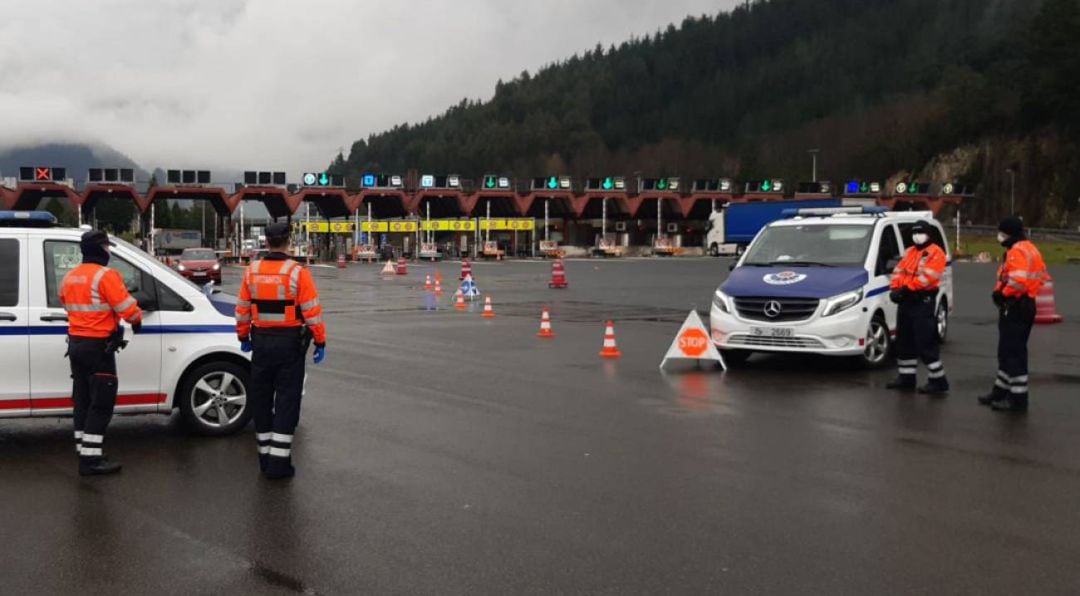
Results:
x,y
186,357
818,282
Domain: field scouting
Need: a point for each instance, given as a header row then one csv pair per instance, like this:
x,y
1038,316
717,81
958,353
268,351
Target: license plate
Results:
x,y
772,331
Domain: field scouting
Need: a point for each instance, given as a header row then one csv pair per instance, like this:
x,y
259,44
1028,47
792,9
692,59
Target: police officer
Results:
x,y
95,299
277,316
914,287
1019,280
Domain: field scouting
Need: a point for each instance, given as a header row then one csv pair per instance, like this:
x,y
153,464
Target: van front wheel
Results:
x,y
214,399
878,343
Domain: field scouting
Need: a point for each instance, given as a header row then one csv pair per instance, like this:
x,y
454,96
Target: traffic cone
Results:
x,y
466,268
427,283
545,325
402,266
341,260
438,275
489,313
610,350
558,275
1045,307
459,301
389,268
438,287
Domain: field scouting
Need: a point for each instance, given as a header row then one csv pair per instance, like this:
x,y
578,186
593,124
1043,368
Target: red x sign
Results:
x,y
43,174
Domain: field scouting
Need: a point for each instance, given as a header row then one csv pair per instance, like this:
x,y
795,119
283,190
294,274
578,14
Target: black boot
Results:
x,y
937,387
902,383
279,468
995,394
264,461
1018,404
97,466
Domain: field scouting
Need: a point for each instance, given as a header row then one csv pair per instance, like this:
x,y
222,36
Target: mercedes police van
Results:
x,y
186,357
817,282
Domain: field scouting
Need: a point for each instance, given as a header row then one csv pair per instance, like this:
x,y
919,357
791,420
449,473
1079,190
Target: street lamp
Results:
x,y
1012,191
813,154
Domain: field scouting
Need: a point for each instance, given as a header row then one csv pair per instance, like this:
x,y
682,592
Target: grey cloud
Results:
x,y
278,83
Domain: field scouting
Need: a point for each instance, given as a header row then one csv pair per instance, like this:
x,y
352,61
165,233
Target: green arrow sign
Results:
x,y
489,182
608,184
766,186
324,180
553,183
661,184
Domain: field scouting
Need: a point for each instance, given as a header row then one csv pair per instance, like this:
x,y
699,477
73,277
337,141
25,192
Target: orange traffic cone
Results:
x,y
545,325
389,268
438,287
427,282
489,313
341,260
610,350
459,300
438,276
1045,307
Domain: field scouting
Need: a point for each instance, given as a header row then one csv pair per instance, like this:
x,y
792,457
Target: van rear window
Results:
x,y
9,272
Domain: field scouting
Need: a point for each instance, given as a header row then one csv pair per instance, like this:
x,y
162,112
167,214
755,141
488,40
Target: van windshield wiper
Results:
x,y
799,264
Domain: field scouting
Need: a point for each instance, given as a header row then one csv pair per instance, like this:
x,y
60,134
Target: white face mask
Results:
x,y
1002,237
920,239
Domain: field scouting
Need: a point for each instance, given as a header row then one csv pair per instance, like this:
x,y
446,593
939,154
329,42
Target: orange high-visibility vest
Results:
x,y
278,293
1023,273
920,270
95,299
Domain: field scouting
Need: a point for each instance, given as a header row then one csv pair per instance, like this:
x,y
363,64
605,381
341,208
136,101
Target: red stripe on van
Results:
x,y
57,403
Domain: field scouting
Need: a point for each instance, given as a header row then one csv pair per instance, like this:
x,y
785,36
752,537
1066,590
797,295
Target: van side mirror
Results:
x,y
731,267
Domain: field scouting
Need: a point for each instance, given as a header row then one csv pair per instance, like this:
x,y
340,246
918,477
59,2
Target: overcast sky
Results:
x,y
278,84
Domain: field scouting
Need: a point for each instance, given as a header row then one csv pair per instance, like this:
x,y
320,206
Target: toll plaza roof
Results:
x,y
279,203
28,197
384,203
93,193
222,203
444,203
331,202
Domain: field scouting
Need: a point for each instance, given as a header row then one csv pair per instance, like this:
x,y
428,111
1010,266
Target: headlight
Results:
x,y
180,267
720,300
838,304
217,266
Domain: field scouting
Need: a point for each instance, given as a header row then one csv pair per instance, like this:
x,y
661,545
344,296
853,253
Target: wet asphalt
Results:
x,y
440,452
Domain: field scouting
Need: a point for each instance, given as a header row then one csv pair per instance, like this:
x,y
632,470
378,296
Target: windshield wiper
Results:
x,y
799,264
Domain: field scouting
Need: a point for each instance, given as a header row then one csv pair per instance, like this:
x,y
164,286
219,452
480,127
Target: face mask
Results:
x,y
920,239
1003,237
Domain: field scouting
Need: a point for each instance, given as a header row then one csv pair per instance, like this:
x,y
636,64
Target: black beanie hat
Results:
x,y
1013,226
93,245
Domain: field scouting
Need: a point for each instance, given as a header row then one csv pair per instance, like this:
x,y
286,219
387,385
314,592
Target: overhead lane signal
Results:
x,y
814,188
370,180
431,181
252,178
955,189
493,182
42,174
911,188
323,180
660,184
552,183
724,185
766,187
862,187
609,183
187,177
111,176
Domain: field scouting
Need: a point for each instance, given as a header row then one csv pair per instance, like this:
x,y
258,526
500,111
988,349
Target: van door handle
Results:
x,y
6,316
54,317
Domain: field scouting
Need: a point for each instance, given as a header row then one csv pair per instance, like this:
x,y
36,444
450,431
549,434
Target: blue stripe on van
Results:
x,y
877,291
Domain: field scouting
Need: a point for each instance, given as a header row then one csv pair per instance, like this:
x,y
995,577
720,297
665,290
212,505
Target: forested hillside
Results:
x,y
940,88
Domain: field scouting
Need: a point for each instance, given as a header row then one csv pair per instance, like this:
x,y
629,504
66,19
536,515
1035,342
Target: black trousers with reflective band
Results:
x,y
916,338
277,387
94,387
1014,329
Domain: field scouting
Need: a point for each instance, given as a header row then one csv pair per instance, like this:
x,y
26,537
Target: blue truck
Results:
x,y
733,227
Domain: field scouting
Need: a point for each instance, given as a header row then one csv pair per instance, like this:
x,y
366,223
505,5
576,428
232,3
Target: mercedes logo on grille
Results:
x,y
772,309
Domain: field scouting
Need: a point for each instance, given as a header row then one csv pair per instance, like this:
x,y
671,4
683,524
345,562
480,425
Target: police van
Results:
x,y
186,356
817,282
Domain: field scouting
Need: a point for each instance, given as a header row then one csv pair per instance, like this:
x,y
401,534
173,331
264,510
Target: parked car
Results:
x,y
200,265
185,358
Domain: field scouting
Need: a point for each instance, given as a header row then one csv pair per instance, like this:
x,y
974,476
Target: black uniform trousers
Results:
x,y
277,386
1015,321
916,338
94,386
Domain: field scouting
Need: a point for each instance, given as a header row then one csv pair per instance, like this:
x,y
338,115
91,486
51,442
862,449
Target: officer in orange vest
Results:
x,y
277,316
95,299
915,284
1019,280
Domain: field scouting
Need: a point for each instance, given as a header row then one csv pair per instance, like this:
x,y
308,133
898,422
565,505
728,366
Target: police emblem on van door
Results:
x,y
784,278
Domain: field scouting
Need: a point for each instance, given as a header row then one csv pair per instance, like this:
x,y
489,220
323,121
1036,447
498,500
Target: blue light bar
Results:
x,y
28,216
828,211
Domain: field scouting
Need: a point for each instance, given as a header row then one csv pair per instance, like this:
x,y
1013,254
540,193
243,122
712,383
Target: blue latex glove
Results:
x,y
320,353
245,345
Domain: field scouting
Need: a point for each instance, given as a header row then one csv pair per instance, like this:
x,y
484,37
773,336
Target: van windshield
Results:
x,y
841,245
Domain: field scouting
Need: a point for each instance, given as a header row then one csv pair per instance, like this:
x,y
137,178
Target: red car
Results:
x,y
200,265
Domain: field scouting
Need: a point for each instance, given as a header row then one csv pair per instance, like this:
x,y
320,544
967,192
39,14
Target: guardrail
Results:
x,y
1033,232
